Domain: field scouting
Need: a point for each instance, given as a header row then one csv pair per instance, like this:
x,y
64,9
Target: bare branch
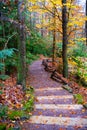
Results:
x,y
74,29
8,40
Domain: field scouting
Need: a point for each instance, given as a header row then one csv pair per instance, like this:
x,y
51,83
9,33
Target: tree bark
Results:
x,y
54,37
22,46
64,39
86,24
42,30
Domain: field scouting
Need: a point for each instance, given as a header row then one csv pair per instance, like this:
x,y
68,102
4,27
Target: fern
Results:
x,y
1,66
6,53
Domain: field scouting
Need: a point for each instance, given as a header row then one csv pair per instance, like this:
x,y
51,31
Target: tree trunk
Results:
x,y
42,30
54,37
65,39
54,46
86,24
22,46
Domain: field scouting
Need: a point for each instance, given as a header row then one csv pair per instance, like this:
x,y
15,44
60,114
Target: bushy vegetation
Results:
x,y
80,50
78,98
38,45
5,56
78,55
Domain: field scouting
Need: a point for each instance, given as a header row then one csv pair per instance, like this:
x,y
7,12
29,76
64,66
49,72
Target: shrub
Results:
x,y
3,111
80,50
31,57
38,45
78,98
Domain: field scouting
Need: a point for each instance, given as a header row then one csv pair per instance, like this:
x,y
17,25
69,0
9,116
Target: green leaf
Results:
x,y
1,28
1,92
1,66
2,127
4,77
79,98
6,52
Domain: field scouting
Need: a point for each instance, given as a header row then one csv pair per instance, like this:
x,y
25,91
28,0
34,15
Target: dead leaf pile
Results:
x,y
12,94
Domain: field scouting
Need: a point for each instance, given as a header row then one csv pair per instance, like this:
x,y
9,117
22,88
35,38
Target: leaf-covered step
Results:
x,y
60,121
55,97
54,101
59,106
51,92
60,112
28,126
48,89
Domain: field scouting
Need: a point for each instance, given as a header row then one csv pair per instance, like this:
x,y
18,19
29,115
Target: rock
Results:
x,y
84,82
16,128
67,88
85,105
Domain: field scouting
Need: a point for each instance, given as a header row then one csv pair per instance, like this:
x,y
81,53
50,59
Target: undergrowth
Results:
x,y
21,114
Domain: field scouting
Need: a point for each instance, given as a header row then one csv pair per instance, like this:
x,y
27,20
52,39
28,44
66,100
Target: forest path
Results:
x,y
54,108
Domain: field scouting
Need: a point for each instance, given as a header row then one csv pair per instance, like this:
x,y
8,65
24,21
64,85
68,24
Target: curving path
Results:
x,y
54,107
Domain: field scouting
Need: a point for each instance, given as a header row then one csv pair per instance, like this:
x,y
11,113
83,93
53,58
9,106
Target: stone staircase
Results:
x,y
54,107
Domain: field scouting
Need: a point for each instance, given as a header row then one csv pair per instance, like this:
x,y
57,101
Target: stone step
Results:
x,y
60,121
54,101
63,99
28,126
54,97
58,106
61,112
48,89
51,92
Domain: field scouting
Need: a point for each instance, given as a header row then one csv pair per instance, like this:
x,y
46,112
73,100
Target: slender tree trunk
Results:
x,y
22,46
42,18
54,46
42,30
86,24
65,39
30,18
49,23
34,21
30,21
54,37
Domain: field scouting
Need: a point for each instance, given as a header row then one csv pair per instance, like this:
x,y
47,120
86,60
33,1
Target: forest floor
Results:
x,y
55,108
